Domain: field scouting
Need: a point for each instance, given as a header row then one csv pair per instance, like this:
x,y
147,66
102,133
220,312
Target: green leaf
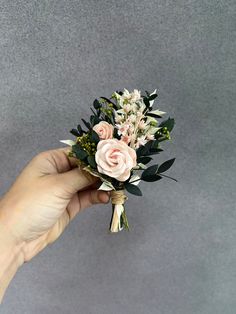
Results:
x,y
169,124
87,124
109,102
79,152
95,114
149,171
80,130
92,120
152,97
133,189
74,132
151,178
92,162
146,101
94,137
144,160
97,104
166,165
155,151
144,149
96,120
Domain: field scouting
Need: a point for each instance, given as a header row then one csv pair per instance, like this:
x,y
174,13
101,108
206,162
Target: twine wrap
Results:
x,y
118,199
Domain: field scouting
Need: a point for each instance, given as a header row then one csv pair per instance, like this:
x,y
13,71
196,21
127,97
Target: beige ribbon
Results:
x,y
118,199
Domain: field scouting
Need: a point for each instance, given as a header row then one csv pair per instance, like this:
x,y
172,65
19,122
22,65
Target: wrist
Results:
x,y
11,257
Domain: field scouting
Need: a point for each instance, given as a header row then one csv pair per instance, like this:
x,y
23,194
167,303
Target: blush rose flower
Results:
x,y
115,159
104,130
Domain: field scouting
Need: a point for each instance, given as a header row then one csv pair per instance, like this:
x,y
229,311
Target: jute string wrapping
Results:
x,y
118,199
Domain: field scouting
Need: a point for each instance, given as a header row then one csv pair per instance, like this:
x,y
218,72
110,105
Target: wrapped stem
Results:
x,y
119,218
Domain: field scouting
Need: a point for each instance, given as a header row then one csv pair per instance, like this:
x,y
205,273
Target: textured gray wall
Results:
x,y
180,256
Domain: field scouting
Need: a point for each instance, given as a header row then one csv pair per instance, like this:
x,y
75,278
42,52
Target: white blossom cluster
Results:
x,y
135,127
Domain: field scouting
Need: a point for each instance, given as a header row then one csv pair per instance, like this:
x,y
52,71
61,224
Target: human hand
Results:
x,y
45,197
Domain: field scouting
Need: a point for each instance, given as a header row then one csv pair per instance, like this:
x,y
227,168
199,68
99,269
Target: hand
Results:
x,y
44,199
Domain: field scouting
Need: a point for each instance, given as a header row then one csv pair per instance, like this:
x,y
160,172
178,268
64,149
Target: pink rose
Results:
x,y
104,130
115,159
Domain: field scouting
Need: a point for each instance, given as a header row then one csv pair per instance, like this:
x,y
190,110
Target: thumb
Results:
x,y
74,180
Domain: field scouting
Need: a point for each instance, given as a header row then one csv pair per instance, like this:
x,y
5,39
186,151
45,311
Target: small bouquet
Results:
x,y
119,141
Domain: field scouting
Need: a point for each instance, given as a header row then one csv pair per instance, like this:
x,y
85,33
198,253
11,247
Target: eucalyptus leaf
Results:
x,y
91,161
151,178
75,132
169,124
109,102
166,165
152,97
144,160
87,124
94,137
146,102
155,151
133,189
97,104
79,152
80,130
149,171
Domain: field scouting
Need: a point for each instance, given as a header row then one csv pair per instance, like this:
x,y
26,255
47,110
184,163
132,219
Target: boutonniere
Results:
x,y
117,144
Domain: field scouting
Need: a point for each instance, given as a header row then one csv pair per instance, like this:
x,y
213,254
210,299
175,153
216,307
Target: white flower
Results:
x,y
142,125
150,137
127,107
132,118
131,97
119,118
123,128
141,141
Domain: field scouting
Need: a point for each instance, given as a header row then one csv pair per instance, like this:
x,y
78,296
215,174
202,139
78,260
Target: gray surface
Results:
x,y
180,256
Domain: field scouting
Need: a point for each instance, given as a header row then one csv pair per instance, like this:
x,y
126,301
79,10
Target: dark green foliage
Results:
x,y
152,97
79,152
96,120
150,174
166,165
94,137
155,151
87,124
91,161
109,102
169,124
119,92
144,160
150,171
96,104
133,189
150,148
80,130
151,178
144,149
146,101
75,132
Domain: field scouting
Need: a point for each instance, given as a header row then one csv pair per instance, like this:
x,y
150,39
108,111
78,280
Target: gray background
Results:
x,y
180,256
